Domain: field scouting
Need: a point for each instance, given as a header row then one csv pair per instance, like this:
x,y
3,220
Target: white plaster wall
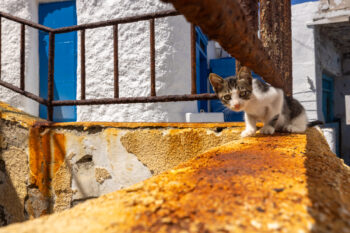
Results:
x,y
10,69
303,52
107,152
172,62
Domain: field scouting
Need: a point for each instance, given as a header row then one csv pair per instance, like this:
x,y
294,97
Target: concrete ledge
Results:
x,y
289,183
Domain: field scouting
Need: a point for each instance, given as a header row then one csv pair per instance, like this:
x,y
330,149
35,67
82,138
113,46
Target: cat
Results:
x,y
260,102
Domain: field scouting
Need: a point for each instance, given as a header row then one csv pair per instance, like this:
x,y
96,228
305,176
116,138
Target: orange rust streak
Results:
x,y
39,160
59,151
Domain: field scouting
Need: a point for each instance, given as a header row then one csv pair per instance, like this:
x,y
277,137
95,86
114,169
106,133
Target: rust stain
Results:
x,y
59,151
39,159
45,158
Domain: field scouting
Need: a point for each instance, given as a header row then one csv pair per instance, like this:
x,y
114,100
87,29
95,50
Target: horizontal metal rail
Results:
x,y
22,92
112,22
130,100
25,22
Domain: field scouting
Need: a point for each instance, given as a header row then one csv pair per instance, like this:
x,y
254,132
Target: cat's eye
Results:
x,y
243,94
227,97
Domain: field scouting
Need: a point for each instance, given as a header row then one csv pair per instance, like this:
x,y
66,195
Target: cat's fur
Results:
x,y
260,102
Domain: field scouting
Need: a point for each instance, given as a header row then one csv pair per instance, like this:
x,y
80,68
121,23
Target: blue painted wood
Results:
x,y
55,15
327,98
224,67
302,1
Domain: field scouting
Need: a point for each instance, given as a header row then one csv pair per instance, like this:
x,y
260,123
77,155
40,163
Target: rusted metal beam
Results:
x,y
153,57
250,8
129,100
287,61
22,92
82,64
116,61
193,60
112,22
25,22
225,22
51,72
0,44
276,37
22,58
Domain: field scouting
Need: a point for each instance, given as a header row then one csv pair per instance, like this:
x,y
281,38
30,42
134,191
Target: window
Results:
x,y
327,97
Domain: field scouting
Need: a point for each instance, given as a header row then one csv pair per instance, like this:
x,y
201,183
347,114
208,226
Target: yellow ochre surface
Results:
x,y
279,183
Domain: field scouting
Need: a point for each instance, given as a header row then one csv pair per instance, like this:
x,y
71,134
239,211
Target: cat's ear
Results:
x,y
216,81
245,74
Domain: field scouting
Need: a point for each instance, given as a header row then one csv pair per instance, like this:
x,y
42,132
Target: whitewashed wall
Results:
x,y
172,62
304,61
10,69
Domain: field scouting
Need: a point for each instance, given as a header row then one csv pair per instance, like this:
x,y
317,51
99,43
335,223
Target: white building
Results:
x,y
321,60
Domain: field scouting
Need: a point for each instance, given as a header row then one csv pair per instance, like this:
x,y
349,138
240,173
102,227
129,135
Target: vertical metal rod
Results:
x,y
116,62
51,71
22,57
193,60
0,47
82,63
153,58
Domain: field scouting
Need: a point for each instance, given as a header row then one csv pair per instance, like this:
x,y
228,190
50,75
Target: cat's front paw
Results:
x,y
247,133
268,129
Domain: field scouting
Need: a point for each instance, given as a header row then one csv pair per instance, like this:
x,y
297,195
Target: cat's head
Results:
x,y
235,91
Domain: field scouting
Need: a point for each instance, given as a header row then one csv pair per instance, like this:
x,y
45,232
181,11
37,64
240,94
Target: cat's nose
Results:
x,y
237,106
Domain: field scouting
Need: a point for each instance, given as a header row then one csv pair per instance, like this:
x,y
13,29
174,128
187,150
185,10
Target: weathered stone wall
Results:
x,y
46,168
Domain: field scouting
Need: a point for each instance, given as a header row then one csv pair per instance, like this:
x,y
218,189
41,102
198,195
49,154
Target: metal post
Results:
x,y
51,71
193,60
0,46
153,58
116,62
82,61
22,57
287,60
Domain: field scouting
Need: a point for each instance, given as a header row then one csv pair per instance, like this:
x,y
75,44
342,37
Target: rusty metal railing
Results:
x,y
51,103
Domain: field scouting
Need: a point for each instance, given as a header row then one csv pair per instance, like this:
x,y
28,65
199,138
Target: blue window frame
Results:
x,y
327,97
302,1
201,68
55,15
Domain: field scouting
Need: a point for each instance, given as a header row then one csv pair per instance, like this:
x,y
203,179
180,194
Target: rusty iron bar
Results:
x,y
112,22
0,44
153,57
250,8
22,57
116,61
82,61
22,92
193,60
129,100
26,22
276,38
287,59
225,22
51,71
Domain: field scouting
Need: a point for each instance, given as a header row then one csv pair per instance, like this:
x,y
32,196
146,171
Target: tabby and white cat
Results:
x,y
260,102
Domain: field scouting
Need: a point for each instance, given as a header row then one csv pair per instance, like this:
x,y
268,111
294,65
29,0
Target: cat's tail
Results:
x,y
313,123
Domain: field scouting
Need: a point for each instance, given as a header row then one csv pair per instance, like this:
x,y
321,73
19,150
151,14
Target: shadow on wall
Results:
x,y
11,206
328,188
